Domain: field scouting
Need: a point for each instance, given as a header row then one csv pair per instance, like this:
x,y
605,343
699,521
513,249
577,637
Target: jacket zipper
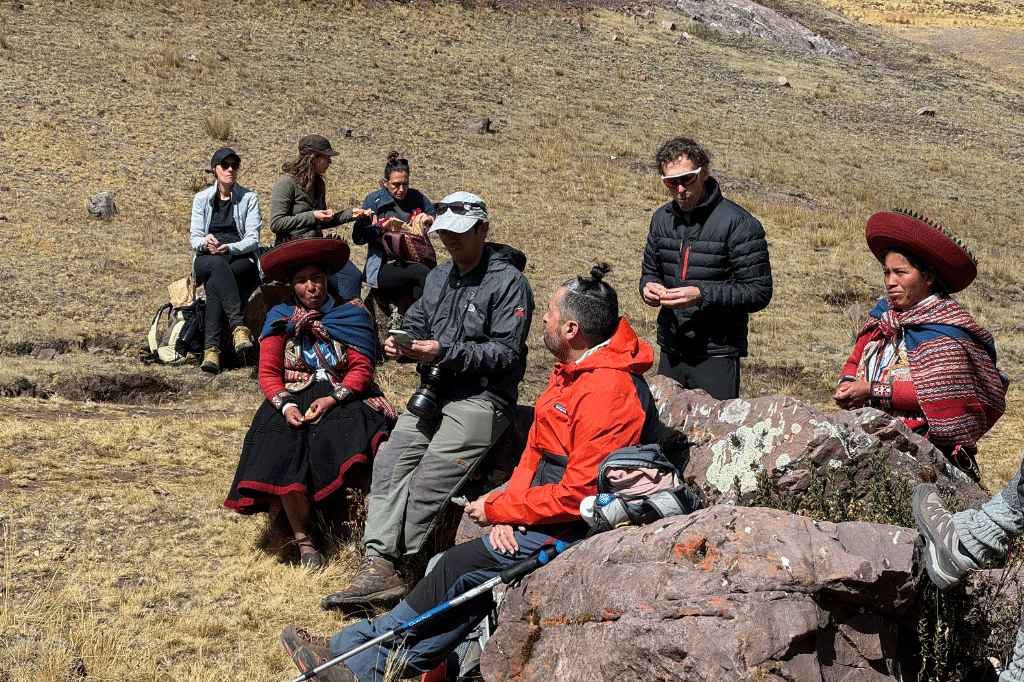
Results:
x,y
686,259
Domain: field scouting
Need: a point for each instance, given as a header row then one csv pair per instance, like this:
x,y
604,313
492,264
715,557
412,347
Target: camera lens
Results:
x,y
423,403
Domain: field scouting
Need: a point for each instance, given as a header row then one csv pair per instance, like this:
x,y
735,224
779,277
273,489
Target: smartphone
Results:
x,y
401,338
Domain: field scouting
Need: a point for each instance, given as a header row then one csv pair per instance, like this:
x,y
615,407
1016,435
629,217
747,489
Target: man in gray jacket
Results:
x,y
706,267
468,333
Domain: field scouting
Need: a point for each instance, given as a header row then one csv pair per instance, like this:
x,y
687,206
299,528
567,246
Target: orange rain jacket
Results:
x,y
589,409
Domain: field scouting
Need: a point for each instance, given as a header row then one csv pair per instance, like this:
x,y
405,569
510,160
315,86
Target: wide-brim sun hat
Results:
x,y
929,241
473,211
331,252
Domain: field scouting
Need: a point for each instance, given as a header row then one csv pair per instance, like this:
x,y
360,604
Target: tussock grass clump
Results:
x,y
216,126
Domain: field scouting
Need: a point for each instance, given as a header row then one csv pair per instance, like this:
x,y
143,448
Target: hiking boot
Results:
x,y
293,638
242,338
376,582
946,559
305,660
211,360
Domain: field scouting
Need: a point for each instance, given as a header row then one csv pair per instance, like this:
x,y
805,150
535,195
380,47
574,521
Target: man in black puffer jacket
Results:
x,y
706,266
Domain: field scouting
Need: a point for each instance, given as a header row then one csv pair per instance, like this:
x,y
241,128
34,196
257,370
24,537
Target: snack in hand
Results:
x,y
309,413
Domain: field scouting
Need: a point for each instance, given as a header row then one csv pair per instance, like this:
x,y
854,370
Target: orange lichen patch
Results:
x,y
694,548
611,614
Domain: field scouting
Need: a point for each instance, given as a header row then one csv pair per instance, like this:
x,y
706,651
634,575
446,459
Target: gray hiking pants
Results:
x,y
420,467
985,533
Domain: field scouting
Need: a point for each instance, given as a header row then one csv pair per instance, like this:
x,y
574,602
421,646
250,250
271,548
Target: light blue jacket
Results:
x,y
248,221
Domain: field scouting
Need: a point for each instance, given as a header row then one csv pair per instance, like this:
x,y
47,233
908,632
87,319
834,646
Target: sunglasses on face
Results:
x,y
457,207
681,180
233,165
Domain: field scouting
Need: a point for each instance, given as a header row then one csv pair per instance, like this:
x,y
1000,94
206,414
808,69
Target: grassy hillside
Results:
x,y
115,547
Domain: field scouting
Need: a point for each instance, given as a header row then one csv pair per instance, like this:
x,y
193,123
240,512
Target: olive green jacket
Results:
x,y
291,209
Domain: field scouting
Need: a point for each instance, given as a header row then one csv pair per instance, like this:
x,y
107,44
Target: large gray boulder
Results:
x,y
727,593
736,439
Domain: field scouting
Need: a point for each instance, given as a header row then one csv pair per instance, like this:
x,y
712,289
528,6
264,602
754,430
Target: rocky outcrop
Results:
x,y
749,19
727,593
733,440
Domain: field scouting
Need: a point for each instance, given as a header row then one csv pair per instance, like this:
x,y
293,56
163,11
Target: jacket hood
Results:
x,y
509,253
624,352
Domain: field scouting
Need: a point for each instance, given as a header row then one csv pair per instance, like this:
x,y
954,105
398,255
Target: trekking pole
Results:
x,y
510,574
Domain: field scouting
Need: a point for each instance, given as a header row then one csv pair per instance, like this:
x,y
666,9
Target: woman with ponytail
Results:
x,y
394,199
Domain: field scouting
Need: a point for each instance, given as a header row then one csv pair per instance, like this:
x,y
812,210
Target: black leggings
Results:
x,y
228,280
407,278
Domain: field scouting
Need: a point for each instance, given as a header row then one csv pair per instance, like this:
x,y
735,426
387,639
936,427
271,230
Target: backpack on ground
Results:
x,y
637,485
171,341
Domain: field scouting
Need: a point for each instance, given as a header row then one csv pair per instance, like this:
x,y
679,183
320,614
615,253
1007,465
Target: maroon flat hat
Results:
x,y
925,239
331,252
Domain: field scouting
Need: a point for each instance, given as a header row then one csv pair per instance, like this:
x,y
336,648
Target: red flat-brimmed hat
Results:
x,y
925,239
331,252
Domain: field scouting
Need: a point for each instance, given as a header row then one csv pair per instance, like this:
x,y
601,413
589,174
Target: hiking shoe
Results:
x,y
376,582
242,338
945,557
293,638
211,360
305,660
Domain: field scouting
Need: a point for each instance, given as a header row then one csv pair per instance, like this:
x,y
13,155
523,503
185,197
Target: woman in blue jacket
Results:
x,y
394,199
225,237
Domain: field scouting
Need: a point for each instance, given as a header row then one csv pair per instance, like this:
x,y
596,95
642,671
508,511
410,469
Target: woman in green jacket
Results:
x,y
298,205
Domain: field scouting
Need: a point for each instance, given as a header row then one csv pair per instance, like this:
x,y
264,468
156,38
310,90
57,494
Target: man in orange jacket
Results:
x,y
596,402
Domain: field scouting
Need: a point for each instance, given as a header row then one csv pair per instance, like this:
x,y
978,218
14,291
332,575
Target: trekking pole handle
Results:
x,y
533,563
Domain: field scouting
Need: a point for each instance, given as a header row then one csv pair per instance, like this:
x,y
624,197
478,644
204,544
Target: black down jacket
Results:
x,y
721,249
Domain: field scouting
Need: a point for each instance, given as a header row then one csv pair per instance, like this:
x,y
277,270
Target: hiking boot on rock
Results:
x,y
242,338
211,360
946,559
305,660
376,582
293,638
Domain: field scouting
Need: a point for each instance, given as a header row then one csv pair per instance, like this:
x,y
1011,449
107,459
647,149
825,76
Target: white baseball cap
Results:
x,y
459,212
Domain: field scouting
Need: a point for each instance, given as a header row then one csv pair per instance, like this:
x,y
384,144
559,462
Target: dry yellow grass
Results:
x,y
115,546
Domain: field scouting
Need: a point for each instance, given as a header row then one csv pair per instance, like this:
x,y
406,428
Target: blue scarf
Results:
x,y
348,323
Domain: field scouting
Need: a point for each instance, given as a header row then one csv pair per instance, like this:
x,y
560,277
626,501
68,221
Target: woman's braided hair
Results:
x,y
592,303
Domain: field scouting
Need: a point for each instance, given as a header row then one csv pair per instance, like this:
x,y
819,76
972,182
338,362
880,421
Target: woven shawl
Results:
x,y
953,366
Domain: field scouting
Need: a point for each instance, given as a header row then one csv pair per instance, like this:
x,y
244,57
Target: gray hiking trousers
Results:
x,y
985,533
421,466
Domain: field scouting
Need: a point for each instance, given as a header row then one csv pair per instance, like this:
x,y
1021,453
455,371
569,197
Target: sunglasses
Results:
x,y
681,180
233,165
457,207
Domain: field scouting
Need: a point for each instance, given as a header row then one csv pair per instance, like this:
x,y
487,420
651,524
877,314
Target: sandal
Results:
x,y
313,560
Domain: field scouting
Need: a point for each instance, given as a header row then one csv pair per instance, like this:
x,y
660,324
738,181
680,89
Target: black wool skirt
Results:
x,y
313,459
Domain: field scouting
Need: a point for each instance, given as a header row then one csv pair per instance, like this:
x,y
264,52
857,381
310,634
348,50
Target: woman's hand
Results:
x,y
323,216
213,245
319,408
293,416
852,394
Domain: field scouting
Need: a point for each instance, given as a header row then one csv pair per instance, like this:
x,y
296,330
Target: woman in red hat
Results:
x,y
920,356
323,414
